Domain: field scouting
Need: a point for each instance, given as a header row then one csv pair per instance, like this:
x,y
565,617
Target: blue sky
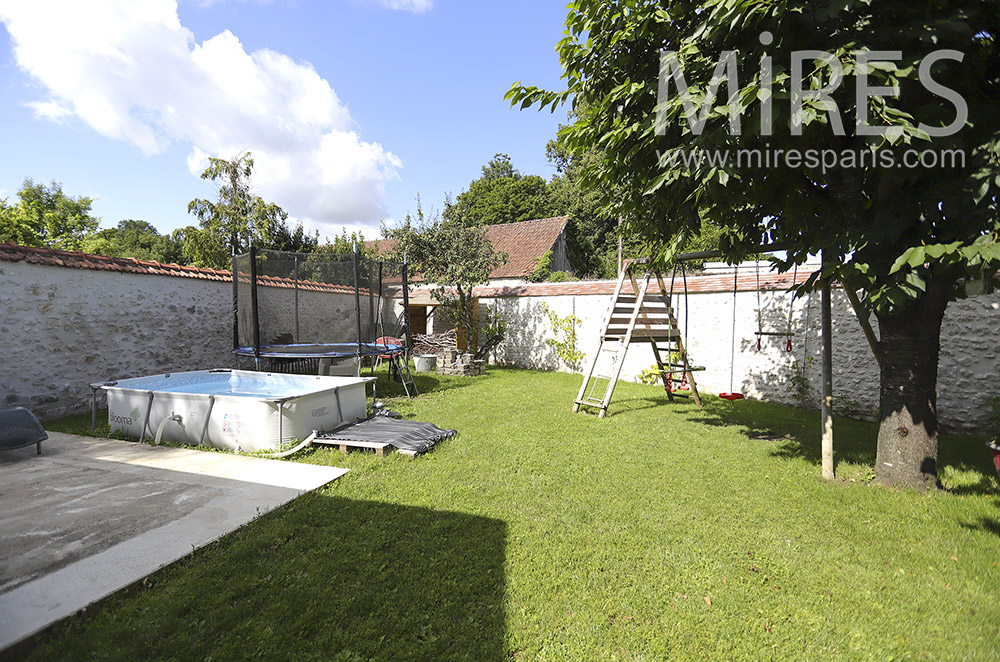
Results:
x,y
351,107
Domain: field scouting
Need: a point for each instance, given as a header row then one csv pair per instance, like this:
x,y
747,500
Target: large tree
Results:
x,y
829,95
234,221
500,195
45,216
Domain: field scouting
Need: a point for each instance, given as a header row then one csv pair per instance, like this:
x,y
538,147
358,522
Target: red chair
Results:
x,y
393,347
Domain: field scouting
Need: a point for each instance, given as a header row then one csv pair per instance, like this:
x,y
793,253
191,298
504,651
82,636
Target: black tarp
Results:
x,y
402,434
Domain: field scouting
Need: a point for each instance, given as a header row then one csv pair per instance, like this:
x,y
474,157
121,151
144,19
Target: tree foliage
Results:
x,y
904,234
45,216
135,238
501,195
236,220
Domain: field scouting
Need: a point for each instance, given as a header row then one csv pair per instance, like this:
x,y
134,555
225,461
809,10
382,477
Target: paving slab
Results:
x,y
90,516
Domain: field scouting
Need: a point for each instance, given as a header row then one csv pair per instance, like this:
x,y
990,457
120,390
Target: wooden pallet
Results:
x,y
381,448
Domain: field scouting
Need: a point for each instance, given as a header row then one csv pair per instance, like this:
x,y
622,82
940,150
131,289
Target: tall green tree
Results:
x,y
234,221
500,195
135,238
454,257
804,78
45,216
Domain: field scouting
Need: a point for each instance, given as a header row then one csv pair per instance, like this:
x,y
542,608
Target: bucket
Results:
x,y
995,447
425,362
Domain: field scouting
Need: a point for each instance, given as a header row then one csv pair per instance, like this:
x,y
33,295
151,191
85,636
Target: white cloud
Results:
x,y
415,6
132,72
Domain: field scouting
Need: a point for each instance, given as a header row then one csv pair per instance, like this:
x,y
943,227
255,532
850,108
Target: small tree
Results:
x,y
501,195
454,257
138,239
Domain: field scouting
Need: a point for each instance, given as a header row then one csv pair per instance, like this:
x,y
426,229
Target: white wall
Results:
x,y
967,378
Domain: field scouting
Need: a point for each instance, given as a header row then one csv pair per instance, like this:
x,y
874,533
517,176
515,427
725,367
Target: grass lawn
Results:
x,y
662,532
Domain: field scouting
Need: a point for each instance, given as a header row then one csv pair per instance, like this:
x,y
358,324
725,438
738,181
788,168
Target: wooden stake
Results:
x,y
826,409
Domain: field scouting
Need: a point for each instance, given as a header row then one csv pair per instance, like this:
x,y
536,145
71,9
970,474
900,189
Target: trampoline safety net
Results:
x,y
309,305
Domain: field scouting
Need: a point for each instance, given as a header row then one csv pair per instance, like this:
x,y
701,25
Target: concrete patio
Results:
x,y
91,516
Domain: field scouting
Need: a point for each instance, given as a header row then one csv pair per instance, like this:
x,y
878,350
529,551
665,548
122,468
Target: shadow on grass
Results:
x,y
989,524
795,433
330,579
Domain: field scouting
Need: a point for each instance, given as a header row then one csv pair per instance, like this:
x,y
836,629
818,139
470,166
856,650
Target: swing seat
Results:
x,y
731,396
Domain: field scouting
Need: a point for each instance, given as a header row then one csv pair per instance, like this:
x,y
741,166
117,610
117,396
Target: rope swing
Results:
x,y
787,333
732,348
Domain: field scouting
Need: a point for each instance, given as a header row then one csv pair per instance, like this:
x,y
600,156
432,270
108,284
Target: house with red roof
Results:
x,y
525,243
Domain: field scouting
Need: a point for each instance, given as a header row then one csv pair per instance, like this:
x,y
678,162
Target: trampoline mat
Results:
x,y
402,434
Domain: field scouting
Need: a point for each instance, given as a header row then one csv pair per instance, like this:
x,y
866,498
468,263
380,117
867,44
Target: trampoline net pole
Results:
x,y
297,335
253,306
357,301
406,311
236,308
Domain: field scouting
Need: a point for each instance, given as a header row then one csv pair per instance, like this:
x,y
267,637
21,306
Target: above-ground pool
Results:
x,y
235,409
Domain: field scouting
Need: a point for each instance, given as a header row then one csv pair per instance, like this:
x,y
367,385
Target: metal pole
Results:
x,y
407,333
236,308
357,302
826,409
296,258
371,295
253,304
764,248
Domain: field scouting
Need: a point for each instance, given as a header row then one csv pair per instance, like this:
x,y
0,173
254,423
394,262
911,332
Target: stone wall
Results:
x,y
62,329
968,374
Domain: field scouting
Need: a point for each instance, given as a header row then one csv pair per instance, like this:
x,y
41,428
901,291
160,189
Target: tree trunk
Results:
x,y
908,425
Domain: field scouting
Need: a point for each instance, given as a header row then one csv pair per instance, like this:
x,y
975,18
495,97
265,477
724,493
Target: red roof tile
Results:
x,y
77,260
523,243
695,285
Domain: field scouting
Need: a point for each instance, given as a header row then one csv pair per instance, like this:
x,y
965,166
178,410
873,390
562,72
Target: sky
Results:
x,y
351,108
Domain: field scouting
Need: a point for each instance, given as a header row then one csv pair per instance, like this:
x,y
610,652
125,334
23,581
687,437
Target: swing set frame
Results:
x,y
826,335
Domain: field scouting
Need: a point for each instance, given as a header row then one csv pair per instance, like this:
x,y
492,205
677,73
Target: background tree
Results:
x,y
500,195
903,234
138,239
295,240
454,257
233,222
46,216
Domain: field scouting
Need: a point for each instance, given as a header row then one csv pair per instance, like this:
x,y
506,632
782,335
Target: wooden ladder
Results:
x,y
638,316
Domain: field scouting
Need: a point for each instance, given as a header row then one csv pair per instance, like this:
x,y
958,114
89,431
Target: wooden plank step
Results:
x,y
590,403
649,306
640,339
645,323
666,334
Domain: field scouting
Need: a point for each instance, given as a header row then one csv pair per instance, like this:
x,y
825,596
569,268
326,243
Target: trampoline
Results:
x,y
317,313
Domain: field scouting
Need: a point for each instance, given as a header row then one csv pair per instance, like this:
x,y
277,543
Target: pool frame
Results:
x,y
245,422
